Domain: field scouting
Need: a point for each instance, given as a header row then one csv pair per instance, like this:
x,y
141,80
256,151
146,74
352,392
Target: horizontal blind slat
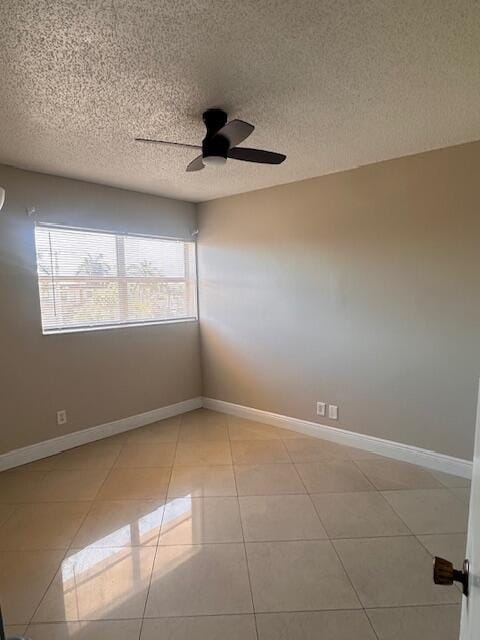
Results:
x,y
89,279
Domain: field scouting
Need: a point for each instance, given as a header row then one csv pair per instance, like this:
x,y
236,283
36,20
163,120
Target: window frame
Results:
x,y
118,235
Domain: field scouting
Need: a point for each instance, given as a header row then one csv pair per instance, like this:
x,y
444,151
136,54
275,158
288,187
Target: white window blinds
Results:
x,y
94,279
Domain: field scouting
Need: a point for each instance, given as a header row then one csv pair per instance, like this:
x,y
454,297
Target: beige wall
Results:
x,y
360,289
96,376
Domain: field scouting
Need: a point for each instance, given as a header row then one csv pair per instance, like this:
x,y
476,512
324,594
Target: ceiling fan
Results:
x,y
221,143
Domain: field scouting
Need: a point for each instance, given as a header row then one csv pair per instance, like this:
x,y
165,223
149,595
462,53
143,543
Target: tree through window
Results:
x,y
90,279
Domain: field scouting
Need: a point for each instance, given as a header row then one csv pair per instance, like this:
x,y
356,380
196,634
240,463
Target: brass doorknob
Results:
x,y
445,574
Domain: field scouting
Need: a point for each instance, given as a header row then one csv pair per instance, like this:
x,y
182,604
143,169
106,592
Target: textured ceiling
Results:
x,y
332,83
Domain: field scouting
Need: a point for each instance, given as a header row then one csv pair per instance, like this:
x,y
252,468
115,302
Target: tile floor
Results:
x,y
210,527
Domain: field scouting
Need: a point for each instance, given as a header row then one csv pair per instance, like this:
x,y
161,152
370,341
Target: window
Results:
x,y
95,279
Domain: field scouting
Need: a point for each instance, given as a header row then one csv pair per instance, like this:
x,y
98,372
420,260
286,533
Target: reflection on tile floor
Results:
x,y
207,526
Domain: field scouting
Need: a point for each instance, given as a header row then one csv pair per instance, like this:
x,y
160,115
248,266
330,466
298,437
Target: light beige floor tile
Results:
x,y
267,479
357,515
99,584
332,477
203,416
100,630
202,426
429,510
44,464
451,481
199,482
173,421
65,485
203,432
392,474
135,484
96,455
163,431
6,511
122,523
199,580
259,452
118,438
354,453
49,525
298,576
201,520
315,625
389,572
241,429
462,493
416,623
146,455
288,434
233,627
288,517
24,578
20,486
15,631
203,453
315,450
451,546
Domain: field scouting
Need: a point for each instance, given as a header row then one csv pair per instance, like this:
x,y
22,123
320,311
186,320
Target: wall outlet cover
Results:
x,y
321,408
333,412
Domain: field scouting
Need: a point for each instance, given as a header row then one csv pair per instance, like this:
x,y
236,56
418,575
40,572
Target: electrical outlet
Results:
x,y
321,408
62,416
333,412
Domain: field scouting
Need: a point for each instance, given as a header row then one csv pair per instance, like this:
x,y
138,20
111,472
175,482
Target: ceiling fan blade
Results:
x,y
176,144
236,131
256,155
196,165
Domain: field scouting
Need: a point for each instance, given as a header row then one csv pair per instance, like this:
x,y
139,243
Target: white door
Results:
x,y
470,626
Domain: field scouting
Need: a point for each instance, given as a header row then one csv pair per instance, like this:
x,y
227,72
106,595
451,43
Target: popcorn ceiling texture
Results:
x,y
332,83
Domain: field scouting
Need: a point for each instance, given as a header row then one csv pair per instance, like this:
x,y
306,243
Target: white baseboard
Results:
x,y
387,448
47,448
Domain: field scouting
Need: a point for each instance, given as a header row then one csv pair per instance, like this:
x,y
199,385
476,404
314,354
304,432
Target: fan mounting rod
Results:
x,y
214,120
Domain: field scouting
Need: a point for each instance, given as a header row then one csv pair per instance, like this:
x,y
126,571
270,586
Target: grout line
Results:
x,y
400,517
159,531
150,582
340,560
243,536
354,589
109,472
81,525
236,615
370,622
48,586
410,464
227,542
69,546
14,510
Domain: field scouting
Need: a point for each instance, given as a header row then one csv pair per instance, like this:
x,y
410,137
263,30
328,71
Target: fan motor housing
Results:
x,y
217,146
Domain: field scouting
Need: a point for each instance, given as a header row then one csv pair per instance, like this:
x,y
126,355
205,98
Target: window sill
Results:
x,y
109,327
